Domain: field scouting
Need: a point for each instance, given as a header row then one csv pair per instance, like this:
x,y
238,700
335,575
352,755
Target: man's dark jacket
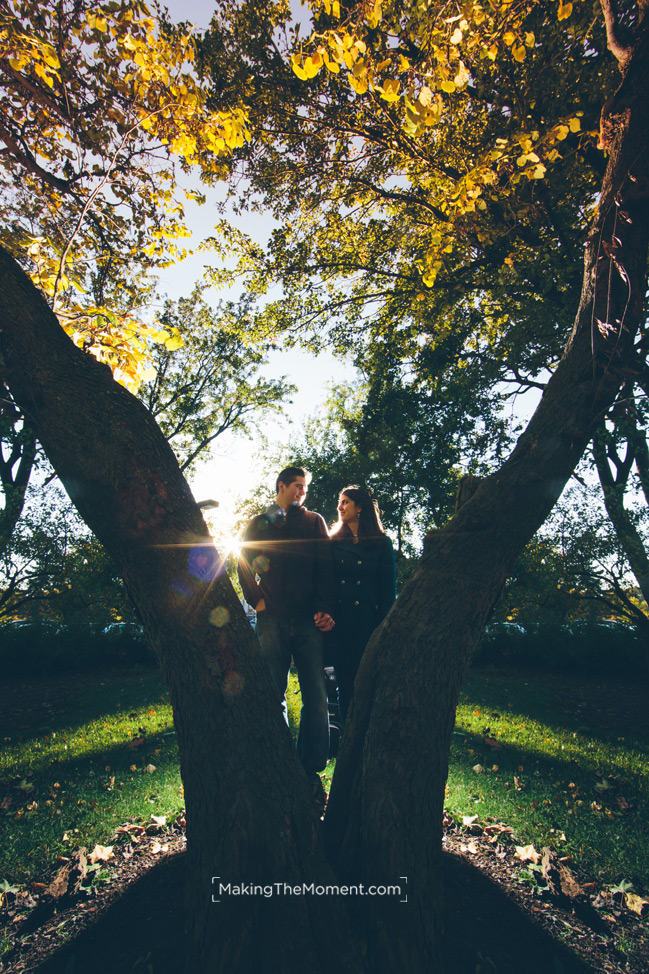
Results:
x,y
286,561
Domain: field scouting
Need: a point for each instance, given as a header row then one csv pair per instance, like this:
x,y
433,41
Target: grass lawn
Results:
x,y
99,752
562,763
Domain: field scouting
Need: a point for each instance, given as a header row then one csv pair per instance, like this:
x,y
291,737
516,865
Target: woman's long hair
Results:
x,y
370,528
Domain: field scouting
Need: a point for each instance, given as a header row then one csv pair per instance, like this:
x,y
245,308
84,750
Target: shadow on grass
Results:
x,y
143,930
54,702
608,707
92,793
554,800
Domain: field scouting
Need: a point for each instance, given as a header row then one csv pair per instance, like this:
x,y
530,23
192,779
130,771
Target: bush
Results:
x,y
44,648
591,647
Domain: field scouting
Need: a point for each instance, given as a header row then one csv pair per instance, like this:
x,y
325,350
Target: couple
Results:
x,y
308,585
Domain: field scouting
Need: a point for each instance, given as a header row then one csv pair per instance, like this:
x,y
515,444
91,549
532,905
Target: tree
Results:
x,y
247,802
17,458
211,384
100,109
52,566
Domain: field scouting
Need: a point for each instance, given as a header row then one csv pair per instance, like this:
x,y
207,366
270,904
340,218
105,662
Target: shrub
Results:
x,y
43,648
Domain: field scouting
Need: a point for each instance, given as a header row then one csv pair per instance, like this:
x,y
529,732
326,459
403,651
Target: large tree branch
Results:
x,y
621,51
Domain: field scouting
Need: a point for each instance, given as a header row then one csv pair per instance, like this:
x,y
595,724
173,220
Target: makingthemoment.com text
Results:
x,y
301,889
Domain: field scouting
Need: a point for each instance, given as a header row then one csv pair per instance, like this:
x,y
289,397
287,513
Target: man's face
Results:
x,y
293,493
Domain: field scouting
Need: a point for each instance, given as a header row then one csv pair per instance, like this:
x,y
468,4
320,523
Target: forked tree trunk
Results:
x,y
249,817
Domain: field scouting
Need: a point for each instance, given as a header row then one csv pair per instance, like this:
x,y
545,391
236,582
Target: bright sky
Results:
x,y
232,470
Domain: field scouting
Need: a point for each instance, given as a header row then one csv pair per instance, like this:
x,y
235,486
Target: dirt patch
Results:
x,y
494,923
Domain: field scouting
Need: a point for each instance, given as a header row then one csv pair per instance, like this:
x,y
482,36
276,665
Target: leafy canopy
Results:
x,y
100,107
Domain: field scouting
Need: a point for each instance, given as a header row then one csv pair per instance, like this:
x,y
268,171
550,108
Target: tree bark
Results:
x,y
14,479
613,489
385,808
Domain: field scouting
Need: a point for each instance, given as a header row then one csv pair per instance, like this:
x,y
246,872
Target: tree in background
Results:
x,y
211,384
18,451
53,568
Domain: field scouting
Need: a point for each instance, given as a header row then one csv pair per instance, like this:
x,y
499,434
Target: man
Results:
x,y
286,573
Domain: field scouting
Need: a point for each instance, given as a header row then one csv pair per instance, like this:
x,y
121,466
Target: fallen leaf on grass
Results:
x,y
101,853
527,853
136,742
472,847
492,742
638,904
477,768
162,820
497,832
150,768
603,785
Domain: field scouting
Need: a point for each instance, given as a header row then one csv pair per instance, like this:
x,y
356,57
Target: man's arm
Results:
x,y
324,578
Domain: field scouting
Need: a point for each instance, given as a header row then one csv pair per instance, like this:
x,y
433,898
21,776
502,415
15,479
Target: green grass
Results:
x,y
557,779
74,779
552,774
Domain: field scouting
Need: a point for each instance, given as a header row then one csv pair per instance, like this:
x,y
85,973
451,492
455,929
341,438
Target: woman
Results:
x,y
365,580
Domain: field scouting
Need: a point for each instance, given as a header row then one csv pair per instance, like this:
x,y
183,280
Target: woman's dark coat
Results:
x,y
365,590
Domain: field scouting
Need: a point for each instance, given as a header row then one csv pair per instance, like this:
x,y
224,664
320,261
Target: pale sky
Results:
x,y
232,468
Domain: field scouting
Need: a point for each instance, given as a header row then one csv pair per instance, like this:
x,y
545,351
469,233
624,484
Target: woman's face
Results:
x,y
348,510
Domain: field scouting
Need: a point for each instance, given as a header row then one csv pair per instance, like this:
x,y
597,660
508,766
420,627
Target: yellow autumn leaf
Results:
x,y
530,40
509,38
158,335
297,68
390,90
564,10
462,77
574,125
313,64
358,84
519,53
457,36
374,16
448,87
330,64
527,853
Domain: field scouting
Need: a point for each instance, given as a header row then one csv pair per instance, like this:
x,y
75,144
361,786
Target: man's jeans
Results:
x,y
279,640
